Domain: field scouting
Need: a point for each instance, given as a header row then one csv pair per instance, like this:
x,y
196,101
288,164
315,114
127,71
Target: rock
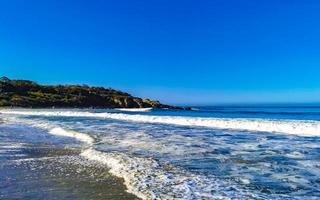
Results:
x,y
24,93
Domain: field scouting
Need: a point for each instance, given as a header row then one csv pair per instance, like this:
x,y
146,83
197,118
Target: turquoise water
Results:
x,y
208,153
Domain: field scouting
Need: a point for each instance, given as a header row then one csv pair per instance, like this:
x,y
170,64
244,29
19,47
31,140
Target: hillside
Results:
x,y
28,94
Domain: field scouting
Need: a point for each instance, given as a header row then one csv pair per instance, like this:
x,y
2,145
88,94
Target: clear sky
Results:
x,y
183,52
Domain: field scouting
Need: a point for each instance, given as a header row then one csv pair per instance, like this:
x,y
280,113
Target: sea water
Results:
x,y
220,152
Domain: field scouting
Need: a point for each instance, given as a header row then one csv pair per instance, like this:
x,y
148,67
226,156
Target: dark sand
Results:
x,y
47,172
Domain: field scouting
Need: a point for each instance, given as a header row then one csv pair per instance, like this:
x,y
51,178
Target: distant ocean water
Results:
x,y
211,152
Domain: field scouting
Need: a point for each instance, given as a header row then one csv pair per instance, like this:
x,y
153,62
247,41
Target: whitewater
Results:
x,y
169,155
298,127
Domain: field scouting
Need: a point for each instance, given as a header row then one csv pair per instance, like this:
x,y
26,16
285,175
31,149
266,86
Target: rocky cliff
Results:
x,y
24,93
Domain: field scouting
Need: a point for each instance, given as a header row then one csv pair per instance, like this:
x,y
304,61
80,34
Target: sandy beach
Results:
x,y
48,170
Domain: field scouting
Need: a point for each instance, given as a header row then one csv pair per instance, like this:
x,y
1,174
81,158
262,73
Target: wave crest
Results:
x,y
147,179
296,127
76,135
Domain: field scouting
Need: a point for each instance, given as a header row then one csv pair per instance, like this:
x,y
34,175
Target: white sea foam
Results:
x,y
297,127
67,133
134,109
145,178
5,145
150,179
295,154
56,130
10,148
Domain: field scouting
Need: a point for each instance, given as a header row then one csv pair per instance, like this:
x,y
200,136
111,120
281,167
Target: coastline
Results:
x,y
51,171
153,154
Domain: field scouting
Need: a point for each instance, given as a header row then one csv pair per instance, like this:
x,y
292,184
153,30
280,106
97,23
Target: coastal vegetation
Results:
x,y
29,94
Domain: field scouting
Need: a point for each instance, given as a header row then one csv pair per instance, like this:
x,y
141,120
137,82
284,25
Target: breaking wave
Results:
x,y
149,178
296,127
145,177
135,109
76,135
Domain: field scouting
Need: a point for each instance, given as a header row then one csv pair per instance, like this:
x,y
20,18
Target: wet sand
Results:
x,y
47,172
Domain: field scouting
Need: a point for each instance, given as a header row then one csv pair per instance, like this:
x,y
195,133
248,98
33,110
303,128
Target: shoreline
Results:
x,y
49,171
144,152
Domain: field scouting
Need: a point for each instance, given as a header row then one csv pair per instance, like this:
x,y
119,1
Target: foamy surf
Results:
x,y
147,179
56,130
134,109
76,135
143,177
296,127
177,162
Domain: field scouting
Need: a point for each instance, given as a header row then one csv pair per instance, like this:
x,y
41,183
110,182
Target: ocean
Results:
x,y
209,152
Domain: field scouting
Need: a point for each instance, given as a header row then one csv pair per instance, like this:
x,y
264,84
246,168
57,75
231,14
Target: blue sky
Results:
x,y
182,52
